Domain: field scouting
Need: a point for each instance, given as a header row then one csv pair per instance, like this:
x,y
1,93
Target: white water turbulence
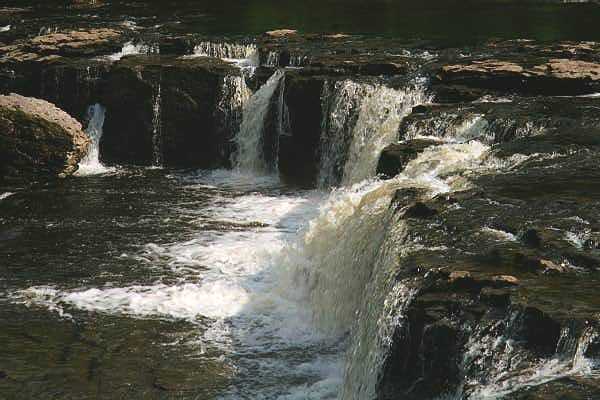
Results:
x,y
225,279
250,142
131,48
90,164
360,119
245,56
5,195
5,28
377,126
491,370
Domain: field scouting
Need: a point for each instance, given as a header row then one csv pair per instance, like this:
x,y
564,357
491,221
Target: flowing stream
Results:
x,y
268,291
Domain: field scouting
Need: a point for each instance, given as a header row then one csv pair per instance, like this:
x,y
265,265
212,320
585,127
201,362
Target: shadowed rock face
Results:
x,y
170,97
38,140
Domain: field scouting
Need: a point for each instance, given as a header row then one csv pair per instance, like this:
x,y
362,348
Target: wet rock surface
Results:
x,y
497,271
38,140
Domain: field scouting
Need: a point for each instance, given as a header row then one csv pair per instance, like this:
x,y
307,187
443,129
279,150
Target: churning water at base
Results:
x,y
91,164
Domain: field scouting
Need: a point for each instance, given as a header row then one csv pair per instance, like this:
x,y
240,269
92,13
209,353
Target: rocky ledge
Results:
x,y
504,273
37,139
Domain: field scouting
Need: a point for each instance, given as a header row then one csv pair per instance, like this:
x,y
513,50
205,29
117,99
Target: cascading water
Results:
x,y
131,48
233,98
377,126
273,288
157,139
359,120
340,101
226,50
244,56
91,164
250,140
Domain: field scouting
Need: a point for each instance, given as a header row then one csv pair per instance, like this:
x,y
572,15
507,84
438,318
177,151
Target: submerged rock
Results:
x,y
38,140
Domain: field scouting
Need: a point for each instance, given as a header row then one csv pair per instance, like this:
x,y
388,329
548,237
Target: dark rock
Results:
x,y
495,297
419,210
174,99
38,140
420,109
298,147
537,330
394,157
531,238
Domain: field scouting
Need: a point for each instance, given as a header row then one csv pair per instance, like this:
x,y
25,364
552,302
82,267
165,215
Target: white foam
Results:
x,y
244,56
5,28
576,239
5,195
131,48
90,164
500,234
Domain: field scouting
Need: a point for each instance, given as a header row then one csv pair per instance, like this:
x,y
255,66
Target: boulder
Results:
x,y
82,42
38,140
393,158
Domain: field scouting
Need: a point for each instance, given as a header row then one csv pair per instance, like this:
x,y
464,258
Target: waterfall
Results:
x,y
380,307
346,259
359,120
340,101
344,262
131,48
229,111
272,59
157,139
245,56
224,50
377,126
250,140
91,164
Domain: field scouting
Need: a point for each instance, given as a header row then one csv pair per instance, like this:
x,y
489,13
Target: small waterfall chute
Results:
x,y
132,48
233,97
245,56
377,126
359,120
250,140
157,139
91,164
340,102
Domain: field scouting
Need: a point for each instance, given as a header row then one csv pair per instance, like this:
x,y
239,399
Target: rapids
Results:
x,y
232,284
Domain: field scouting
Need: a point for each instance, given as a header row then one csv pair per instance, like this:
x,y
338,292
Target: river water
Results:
x,y
145,280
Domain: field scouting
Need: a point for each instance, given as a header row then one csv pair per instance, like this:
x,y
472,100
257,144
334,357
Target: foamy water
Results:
x,y
228,279
5,195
